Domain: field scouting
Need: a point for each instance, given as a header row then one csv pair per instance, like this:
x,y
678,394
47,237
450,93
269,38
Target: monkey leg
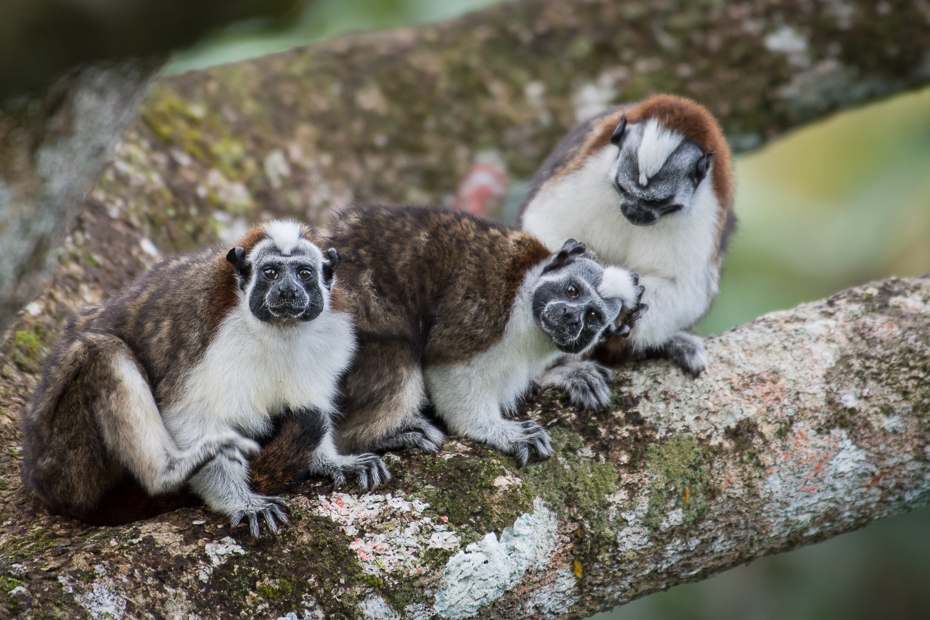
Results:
x,y
303,444
383,400
467,400
685,350
223,483
97,422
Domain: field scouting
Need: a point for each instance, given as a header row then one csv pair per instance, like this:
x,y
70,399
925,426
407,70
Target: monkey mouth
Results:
x,y
294,311
639,216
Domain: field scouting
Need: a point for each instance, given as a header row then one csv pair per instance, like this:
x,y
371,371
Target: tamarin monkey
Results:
x,y
647,186
461,313
173,379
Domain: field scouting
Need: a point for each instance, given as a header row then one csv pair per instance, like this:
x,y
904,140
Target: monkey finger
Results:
x,y
253,525
278,501
338,479
280,514
374,476
385,473
363,480
270,522
522,454
235,520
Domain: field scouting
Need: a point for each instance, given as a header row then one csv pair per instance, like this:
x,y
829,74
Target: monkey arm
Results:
x,y
470,405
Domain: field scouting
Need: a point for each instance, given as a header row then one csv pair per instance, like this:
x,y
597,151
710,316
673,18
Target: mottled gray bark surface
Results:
x,y
808,423
52,149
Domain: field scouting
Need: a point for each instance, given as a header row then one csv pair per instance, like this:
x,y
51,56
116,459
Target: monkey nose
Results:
x,y
288,291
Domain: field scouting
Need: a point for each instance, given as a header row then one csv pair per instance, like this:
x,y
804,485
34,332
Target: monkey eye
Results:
x,y
270,272
592,316
304,274
572,291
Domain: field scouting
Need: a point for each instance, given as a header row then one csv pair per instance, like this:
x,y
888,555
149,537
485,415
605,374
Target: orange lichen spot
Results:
x,y
687,495
578,569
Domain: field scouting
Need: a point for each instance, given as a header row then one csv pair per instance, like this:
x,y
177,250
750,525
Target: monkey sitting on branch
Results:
x,y
648,186
461,313
172,379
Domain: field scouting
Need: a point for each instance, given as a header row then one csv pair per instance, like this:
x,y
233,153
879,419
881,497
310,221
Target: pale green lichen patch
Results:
x,y
576,485
681,484
29,347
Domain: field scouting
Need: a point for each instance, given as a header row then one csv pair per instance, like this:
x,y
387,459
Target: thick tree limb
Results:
x,y
808,423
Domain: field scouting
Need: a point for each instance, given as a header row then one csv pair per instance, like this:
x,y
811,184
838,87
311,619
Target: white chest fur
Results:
x,y
493,381
585,206
252,371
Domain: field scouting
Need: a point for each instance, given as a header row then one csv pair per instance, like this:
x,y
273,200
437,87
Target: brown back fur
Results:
x,y
442,282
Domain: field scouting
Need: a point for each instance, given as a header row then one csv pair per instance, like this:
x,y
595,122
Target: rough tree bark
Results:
x,y
809,422
67,94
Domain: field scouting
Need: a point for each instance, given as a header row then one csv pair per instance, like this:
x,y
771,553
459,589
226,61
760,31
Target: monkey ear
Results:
x,y
566,255
331,260
236,256
701,167
618,132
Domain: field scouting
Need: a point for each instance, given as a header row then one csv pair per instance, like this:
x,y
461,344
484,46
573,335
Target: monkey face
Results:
x,y
577,301
656,172
285,281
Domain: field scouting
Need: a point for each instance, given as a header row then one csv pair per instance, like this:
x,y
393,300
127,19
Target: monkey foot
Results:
x,y
532,435
269,507
368,469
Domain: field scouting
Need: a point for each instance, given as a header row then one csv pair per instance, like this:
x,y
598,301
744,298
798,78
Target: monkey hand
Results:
x,y
528,434
254,505
368,469
688,352
587,383
233,446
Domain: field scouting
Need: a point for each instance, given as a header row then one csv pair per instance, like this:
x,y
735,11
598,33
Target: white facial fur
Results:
x,y
657,144
674,257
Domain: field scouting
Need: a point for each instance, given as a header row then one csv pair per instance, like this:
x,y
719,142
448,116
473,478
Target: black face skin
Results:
x,y
668,191
567,305
286,288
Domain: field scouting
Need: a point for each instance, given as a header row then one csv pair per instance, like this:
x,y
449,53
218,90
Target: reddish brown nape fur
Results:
x,y
688,118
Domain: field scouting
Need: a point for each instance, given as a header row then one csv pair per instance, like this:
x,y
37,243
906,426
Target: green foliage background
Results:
x,y
830,206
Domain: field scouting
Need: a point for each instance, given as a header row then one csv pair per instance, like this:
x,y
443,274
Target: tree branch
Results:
x,y
808,423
